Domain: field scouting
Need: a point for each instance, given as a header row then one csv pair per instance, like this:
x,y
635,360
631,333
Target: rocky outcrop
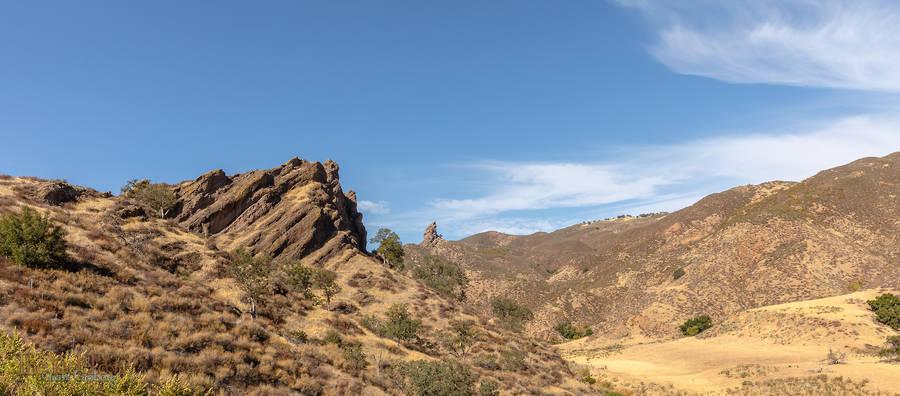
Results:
x,y
431,238
294,210
58,193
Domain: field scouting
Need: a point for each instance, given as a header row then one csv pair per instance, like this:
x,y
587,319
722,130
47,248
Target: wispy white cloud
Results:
x,y
378,208
653,178
834,44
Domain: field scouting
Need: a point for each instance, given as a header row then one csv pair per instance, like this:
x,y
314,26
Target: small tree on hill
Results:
x,y
443,275
325,280
400,324
31,240
390,249
159,196
251,275
459,340
510,313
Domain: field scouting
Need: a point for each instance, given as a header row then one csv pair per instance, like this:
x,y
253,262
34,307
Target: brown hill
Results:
x,y
747,247
155,294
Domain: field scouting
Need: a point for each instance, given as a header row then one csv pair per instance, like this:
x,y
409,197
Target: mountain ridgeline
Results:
x,y
743,248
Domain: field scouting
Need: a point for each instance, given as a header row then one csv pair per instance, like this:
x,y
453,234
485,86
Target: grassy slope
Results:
x,y
778,344
147,294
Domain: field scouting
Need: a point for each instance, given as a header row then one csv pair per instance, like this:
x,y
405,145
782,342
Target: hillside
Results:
x,y
743,248
156,293
777,349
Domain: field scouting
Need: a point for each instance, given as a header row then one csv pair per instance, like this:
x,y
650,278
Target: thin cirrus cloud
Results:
x,y
654,178
830,44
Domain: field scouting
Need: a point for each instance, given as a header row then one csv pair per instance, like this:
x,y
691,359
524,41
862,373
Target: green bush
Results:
x,y
678,273
512,360
487,361
437,378
590,380
158,196
15,355
332,337
354,358
511,314
443,275
400,324
855,286
696,325
326,280
488,387
174,387
571,332
31,240
887,309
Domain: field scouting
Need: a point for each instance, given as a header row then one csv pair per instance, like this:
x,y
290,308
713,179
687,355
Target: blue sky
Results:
x,y
502,115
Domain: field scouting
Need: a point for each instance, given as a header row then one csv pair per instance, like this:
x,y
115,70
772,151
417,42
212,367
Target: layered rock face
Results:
x,y
295,210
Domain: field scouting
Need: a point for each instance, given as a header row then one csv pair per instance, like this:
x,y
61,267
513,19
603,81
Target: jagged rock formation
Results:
x,y
293,210
431,238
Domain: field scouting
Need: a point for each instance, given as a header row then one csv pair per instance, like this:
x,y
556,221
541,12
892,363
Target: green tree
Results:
x,y
887,309
251,275
389,249
443,275
300,277
158,196
459,340
696,325
31,240
400,324
511,314
325,280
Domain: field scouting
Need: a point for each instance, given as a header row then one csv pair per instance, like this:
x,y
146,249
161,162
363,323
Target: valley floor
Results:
x,y
770,350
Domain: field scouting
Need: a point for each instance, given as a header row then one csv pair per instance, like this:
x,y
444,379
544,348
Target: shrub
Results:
x,y
174,387
590,380
373,324
443,275
400,324
31,240
299,336
438,378
487,361
571,332
459,340
332,337
16,354
892,351
251,275
696,325
855,286
836,357
488,387
887,309
300,277
325,280
512,360
354,358
511,314
158,196
390,249
678,273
